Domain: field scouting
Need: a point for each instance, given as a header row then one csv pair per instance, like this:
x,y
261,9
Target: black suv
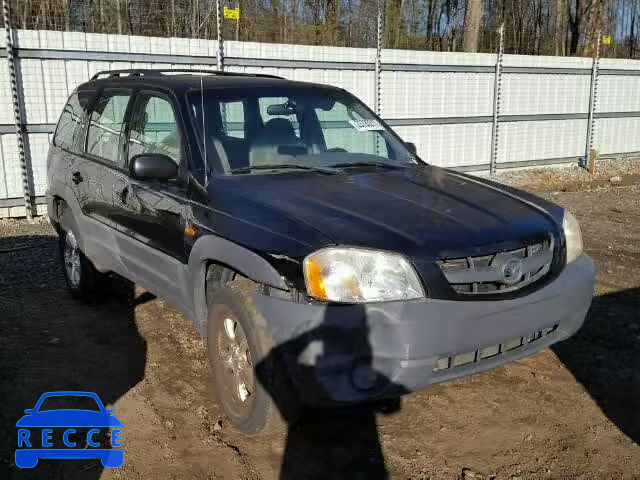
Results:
x,y
323,260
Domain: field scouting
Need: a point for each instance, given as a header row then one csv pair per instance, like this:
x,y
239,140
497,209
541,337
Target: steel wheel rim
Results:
x,y
72,264
236,365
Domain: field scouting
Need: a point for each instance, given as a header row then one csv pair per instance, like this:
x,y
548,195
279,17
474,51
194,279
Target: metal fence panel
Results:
x,y
536,94
436,94
614,93
617,135
11,167
6,104
551,139
451,145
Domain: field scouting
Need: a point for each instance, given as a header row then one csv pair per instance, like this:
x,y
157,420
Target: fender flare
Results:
x,y
211,248
68,219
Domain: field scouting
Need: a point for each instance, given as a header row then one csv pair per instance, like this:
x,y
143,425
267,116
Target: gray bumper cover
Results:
x,y
355,353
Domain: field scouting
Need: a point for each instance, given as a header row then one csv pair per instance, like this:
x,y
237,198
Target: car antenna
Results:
x,y
204,135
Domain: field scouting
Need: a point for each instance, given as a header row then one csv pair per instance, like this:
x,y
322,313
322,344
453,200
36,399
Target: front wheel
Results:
x,y
248,377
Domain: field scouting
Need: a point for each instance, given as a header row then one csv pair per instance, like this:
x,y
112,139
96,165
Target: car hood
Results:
x,y
425,212
69,418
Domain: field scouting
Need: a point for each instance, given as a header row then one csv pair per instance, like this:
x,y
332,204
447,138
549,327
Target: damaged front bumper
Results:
x,y
356,353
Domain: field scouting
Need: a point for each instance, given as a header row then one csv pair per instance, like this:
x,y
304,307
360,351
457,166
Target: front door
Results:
x,y
152,214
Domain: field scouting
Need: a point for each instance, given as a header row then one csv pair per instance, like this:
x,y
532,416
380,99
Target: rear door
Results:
x,y
99,166
67,143
102,162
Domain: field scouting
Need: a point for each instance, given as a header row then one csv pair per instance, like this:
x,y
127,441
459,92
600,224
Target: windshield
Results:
x,y
249,130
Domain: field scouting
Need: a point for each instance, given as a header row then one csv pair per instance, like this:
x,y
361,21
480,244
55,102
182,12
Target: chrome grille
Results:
x,y
500,272
459,360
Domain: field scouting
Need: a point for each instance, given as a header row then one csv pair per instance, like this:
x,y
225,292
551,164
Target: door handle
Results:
x,y
76,177
124,195
127,197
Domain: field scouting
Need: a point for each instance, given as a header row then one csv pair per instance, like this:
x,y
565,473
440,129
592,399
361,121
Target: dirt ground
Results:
x,y
572,411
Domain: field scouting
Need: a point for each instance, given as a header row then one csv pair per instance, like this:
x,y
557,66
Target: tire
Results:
x,y
267,404
79,273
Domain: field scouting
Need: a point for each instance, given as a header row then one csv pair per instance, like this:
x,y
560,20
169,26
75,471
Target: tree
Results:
x,y
560,34
532,27
593,22
471,29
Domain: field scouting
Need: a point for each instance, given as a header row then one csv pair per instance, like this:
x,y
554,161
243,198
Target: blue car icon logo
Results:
x,y
75,429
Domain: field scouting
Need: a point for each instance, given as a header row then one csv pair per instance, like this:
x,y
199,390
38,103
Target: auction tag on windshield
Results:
x,y
365,125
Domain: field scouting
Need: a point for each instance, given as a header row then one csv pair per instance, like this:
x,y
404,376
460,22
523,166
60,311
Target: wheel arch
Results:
x,y
63,209
63,217
218,259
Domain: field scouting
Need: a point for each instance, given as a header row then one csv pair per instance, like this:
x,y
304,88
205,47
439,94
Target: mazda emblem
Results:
x,y
512,271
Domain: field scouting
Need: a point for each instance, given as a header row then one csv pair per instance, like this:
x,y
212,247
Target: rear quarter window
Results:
x,y
69,124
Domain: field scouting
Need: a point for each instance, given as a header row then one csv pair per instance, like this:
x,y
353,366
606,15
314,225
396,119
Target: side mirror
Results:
x,y
29,411
153,166
412,147
109,411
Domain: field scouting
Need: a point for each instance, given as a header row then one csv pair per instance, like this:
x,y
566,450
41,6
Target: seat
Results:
x,y
276,133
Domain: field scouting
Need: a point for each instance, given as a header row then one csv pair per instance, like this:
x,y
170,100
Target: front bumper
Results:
x,y
356,353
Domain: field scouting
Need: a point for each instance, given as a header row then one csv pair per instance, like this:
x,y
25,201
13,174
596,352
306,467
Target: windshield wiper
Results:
x,y
279,166
368,164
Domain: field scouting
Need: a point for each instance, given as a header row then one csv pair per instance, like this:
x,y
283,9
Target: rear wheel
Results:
x,y
249,380
81,276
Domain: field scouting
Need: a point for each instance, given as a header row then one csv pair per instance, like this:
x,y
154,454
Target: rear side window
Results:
x,y
69,124
105,126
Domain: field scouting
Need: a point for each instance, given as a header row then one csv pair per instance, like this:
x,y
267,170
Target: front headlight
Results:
x,y
353,275
573,236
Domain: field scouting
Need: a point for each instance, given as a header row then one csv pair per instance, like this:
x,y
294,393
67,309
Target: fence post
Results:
x,y
377,74
593,92
496,104
220,56
17,114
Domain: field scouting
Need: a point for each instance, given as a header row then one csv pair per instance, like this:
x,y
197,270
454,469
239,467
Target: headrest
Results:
x,y
277,132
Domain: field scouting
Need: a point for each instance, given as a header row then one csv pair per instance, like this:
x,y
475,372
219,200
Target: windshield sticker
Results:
x,y
366,125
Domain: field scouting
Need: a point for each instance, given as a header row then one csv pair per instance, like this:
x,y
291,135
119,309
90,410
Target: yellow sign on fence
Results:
x,y
232,13
606,40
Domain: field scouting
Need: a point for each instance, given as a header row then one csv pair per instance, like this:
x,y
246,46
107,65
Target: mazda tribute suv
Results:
x,y
323,260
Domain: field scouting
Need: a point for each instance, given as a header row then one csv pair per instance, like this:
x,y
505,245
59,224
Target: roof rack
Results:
x,y
149,72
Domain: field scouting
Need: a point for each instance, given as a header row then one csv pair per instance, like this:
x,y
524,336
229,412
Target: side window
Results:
x,y
265,102
154,128
232,114
105,126
69,123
